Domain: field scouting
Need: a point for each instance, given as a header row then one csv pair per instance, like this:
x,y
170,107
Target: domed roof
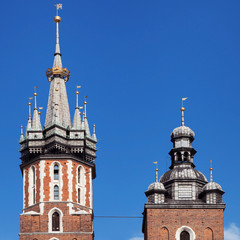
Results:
x,y
212,186
156,185
182,131
182,172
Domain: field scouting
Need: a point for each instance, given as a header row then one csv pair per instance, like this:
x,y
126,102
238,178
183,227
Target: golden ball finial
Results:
x,y
182,109
35,94
77,92
85,102
21,127
211,169
94,125
57,19
39,113
29,104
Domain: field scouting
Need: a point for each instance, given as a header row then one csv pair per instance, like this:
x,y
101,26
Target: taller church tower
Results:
x,y
58,165
183,205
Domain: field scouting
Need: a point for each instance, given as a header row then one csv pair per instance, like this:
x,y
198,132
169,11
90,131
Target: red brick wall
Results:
x,y
37,224
202,222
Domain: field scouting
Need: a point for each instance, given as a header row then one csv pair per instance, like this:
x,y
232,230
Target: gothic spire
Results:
x,y
94,137
21,137
86,126
36,123
58,108
29,124
57,56
77,117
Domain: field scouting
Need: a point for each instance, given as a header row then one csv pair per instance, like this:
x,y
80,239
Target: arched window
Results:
x,y
55,222
56,172
79,195
179,157
56,192
184,235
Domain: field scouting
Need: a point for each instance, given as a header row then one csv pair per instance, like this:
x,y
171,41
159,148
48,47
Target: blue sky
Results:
x,y
135,60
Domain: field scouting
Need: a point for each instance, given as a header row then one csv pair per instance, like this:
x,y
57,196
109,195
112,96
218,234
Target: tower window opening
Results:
x,y
79,175
185,157
56,192
184,235
55,221
33,185
179,157
56,172
79,195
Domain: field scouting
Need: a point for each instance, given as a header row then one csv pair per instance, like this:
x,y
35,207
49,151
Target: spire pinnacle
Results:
x,y
211,171
57,58
77,92
29,124
182,110
85,107
156,171
21,137
36,123
94,137
35,98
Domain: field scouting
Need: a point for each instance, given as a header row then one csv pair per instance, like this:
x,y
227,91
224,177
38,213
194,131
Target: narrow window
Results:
x,y
56,192
79,175
56,172
33,185
55,221
79,195
184,235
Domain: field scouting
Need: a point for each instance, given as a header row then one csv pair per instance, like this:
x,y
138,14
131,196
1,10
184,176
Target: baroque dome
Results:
x,y
182,131
212,186
182,172
156,185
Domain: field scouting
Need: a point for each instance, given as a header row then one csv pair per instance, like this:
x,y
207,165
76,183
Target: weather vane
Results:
x,y
58,6
183,99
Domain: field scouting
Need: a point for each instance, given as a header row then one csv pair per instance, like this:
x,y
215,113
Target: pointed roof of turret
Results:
x,y
29,124
86,125
21,137
36,123
94,136
77,118
58,94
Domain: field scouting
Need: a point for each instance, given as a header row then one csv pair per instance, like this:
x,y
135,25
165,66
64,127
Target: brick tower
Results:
x,y
58,165
183,205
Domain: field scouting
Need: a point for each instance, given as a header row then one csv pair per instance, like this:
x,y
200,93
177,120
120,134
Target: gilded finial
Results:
x,y
35,97
77,92
57,19
211,171
29,106
182,110
156,171
85,107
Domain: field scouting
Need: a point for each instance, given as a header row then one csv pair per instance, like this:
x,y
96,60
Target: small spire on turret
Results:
x,y
29,115
86,126
156,171
94,137
182,110
36,123
77,117
211,171
21,137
